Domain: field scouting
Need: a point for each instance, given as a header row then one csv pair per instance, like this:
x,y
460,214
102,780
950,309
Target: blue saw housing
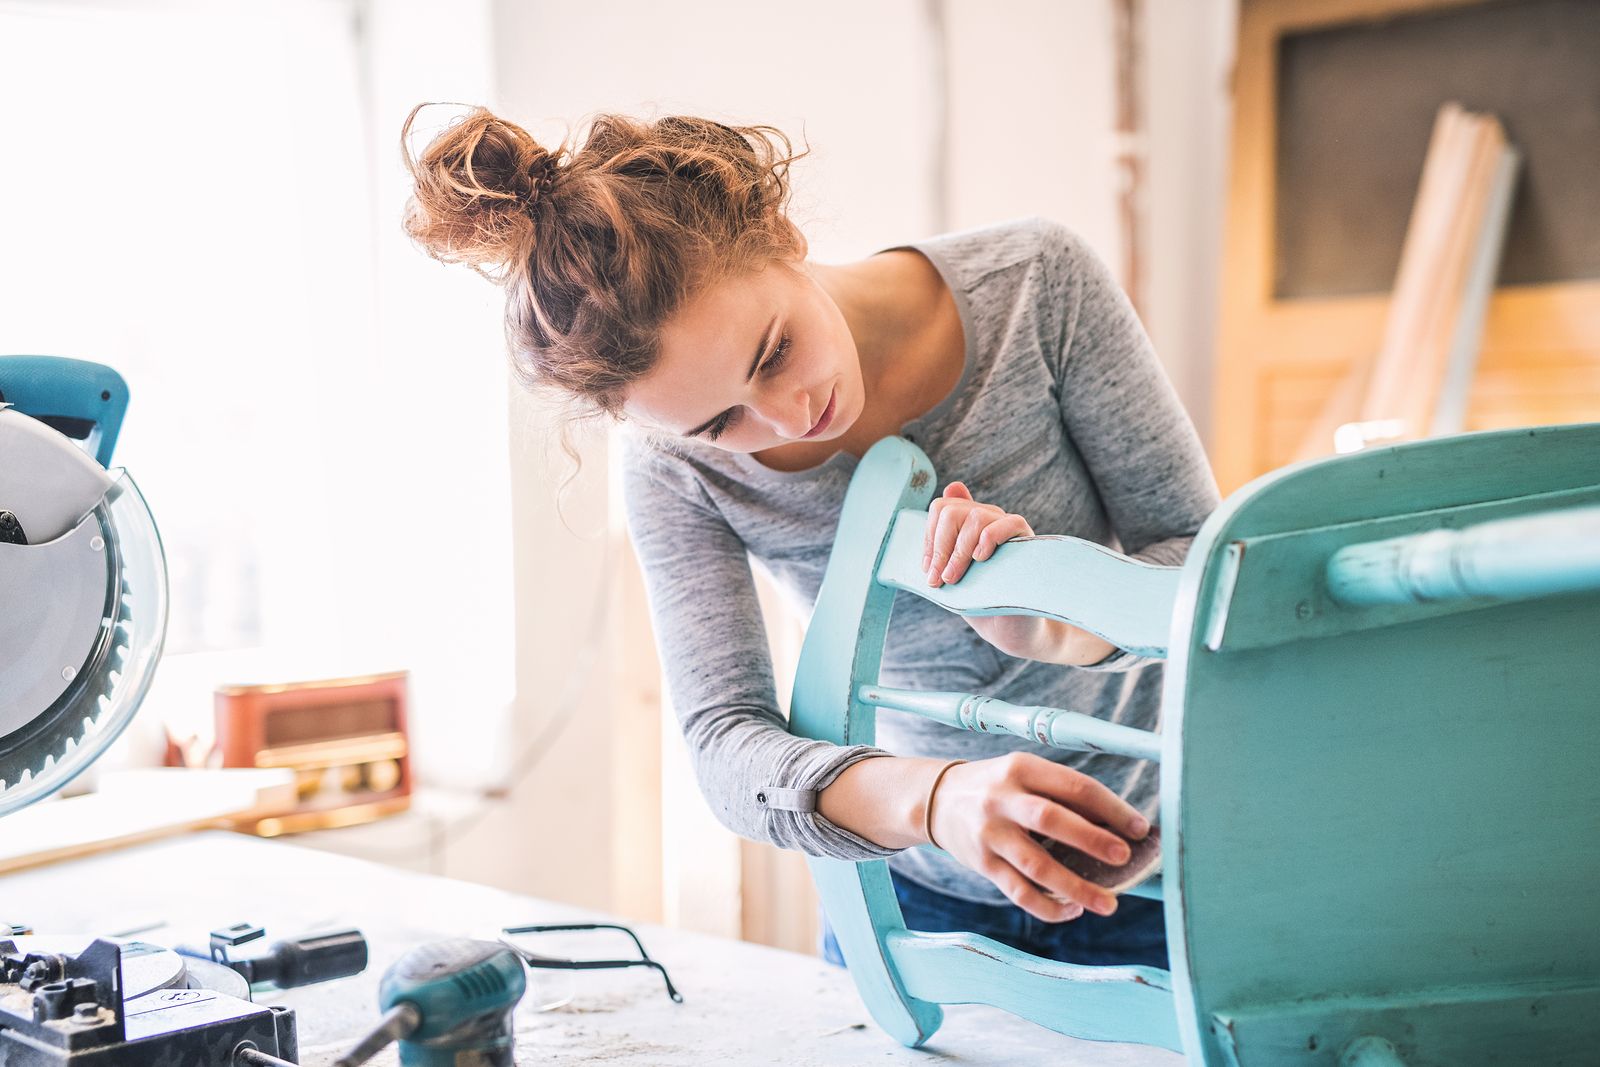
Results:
x,y
82,400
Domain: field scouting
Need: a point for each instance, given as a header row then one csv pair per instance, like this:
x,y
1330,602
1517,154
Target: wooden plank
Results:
x,y
1450,409
1262,338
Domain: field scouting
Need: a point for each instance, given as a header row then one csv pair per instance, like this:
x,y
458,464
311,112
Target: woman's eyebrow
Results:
x,y
761,347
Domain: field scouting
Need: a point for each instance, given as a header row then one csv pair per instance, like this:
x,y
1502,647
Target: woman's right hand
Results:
x,y
985,814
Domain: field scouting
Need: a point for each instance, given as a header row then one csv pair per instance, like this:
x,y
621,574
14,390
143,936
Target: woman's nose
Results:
x,y
790,415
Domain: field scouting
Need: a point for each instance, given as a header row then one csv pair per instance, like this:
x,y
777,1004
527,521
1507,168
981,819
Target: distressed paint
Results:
x,y
1122,600
840,659
842,651
1371,1052
1490,560
1045,726
1130,1004
1282,580
1379,822
1387,810
1442,1026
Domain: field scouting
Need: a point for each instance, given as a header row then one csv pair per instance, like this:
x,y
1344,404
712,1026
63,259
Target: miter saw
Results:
x,y
83,613
83,582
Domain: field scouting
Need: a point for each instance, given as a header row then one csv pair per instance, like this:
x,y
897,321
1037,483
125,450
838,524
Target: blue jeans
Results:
x,y
1135,934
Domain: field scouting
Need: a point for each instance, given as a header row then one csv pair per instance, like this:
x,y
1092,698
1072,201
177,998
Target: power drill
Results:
x,y
449,1004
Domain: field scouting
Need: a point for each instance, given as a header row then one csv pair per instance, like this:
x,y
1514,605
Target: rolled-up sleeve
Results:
x,y
759,780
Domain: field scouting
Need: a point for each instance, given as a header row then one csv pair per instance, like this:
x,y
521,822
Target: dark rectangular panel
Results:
x,y
1356,105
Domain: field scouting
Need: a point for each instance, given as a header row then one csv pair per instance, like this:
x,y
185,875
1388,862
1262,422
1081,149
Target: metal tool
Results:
x,y
132,1004
85,586
449,1004
297,961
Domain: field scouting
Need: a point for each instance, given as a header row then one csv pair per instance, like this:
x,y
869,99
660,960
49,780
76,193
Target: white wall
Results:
x,y
865,186
1188,66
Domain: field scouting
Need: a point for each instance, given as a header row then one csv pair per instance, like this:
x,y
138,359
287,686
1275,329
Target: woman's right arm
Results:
x,y
847,802
759,780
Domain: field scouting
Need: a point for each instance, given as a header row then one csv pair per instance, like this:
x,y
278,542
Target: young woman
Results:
x,y
652,275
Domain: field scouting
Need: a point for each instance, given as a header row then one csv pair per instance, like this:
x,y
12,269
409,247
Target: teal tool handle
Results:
x,y
83,400
462,993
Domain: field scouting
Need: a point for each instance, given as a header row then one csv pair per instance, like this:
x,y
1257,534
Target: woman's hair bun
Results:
x,y
478,189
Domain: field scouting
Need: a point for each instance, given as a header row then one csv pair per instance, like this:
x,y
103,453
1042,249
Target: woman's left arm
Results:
x,y
1125,418
1137,443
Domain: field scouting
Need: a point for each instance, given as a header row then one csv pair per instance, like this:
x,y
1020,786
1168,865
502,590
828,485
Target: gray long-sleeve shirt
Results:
x,y
1062,415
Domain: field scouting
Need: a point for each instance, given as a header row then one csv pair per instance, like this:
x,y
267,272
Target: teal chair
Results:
x,y
1380,799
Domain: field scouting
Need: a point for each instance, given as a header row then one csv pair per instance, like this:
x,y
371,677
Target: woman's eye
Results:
x,y
724,422
779,354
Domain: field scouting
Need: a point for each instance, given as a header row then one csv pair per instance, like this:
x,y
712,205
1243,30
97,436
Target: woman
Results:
x,y
653,276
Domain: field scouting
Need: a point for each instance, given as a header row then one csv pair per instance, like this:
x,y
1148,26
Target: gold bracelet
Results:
x,y
927,808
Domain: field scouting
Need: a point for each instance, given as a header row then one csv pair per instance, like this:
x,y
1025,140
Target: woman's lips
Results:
x,y
827,416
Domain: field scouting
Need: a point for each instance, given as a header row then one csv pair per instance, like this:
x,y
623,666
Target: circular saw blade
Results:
x,y
85,616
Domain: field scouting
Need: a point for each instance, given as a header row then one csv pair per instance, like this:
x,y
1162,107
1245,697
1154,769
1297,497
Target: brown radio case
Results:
x,y
345,738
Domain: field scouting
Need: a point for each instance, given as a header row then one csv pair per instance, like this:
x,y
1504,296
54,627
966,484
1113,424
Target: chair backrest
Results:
x,y
1383,758
1380,814
903,975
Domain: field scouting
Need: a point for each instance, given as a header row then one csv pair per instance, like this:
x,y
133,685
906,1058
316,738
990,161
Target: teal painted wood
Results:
x,y
1071,730
1128,1004
1440,1027
841,656
1284,594
1489,561
1127,602
1381,823
842,651
1368,824
1371,1052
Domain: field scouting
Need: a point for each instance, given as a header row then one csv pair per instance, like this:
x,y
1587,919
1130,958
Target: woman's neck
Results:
x,y
901,316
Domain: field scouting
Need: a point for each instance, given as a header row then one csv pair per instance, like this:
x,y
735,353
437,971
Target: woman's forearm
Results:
x,y
1065,643
1045,640
882,799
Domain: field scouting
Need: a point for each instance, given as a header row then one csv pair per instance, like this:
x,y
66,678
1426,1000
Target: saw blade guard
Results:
x,y
48,742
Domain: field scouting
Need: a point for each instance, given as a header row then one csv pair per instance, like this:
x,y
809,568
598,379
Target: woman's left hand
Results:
x,y
962,531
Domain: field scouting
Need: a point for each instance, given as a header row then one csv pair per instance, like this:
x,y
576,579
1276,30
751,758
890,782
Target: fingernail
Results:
x,y
949,574
1073,912
1139,826
1122,854
1106,905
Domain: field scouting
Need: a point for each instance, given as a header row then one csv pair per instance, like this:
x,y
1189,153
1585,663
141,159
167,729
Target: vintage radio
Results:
x,y
345,738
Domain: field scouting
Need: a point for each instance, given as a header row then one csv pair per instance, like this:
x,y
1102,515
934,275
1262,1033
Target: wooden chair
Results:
x,y
1380,798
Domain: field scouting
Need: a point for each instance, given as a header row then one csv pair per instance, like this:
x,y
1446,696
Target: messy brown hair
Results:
x,y
598,243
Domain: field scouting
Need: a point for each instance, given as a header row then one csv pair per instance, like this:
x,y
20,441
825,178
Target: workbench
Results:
x,y
743,1004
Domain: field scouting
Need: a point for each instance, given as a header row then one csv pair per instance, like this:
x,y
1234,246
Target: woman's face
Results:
x,y
753,362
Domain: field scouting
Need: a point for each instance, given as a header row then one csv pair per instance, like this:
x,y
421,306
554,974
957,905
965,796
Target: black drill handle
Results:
x,y
303,960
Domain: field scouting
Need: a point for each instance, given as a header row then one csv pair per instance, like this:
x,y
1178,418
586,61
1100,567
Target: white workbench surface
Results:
x,y
743,1004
